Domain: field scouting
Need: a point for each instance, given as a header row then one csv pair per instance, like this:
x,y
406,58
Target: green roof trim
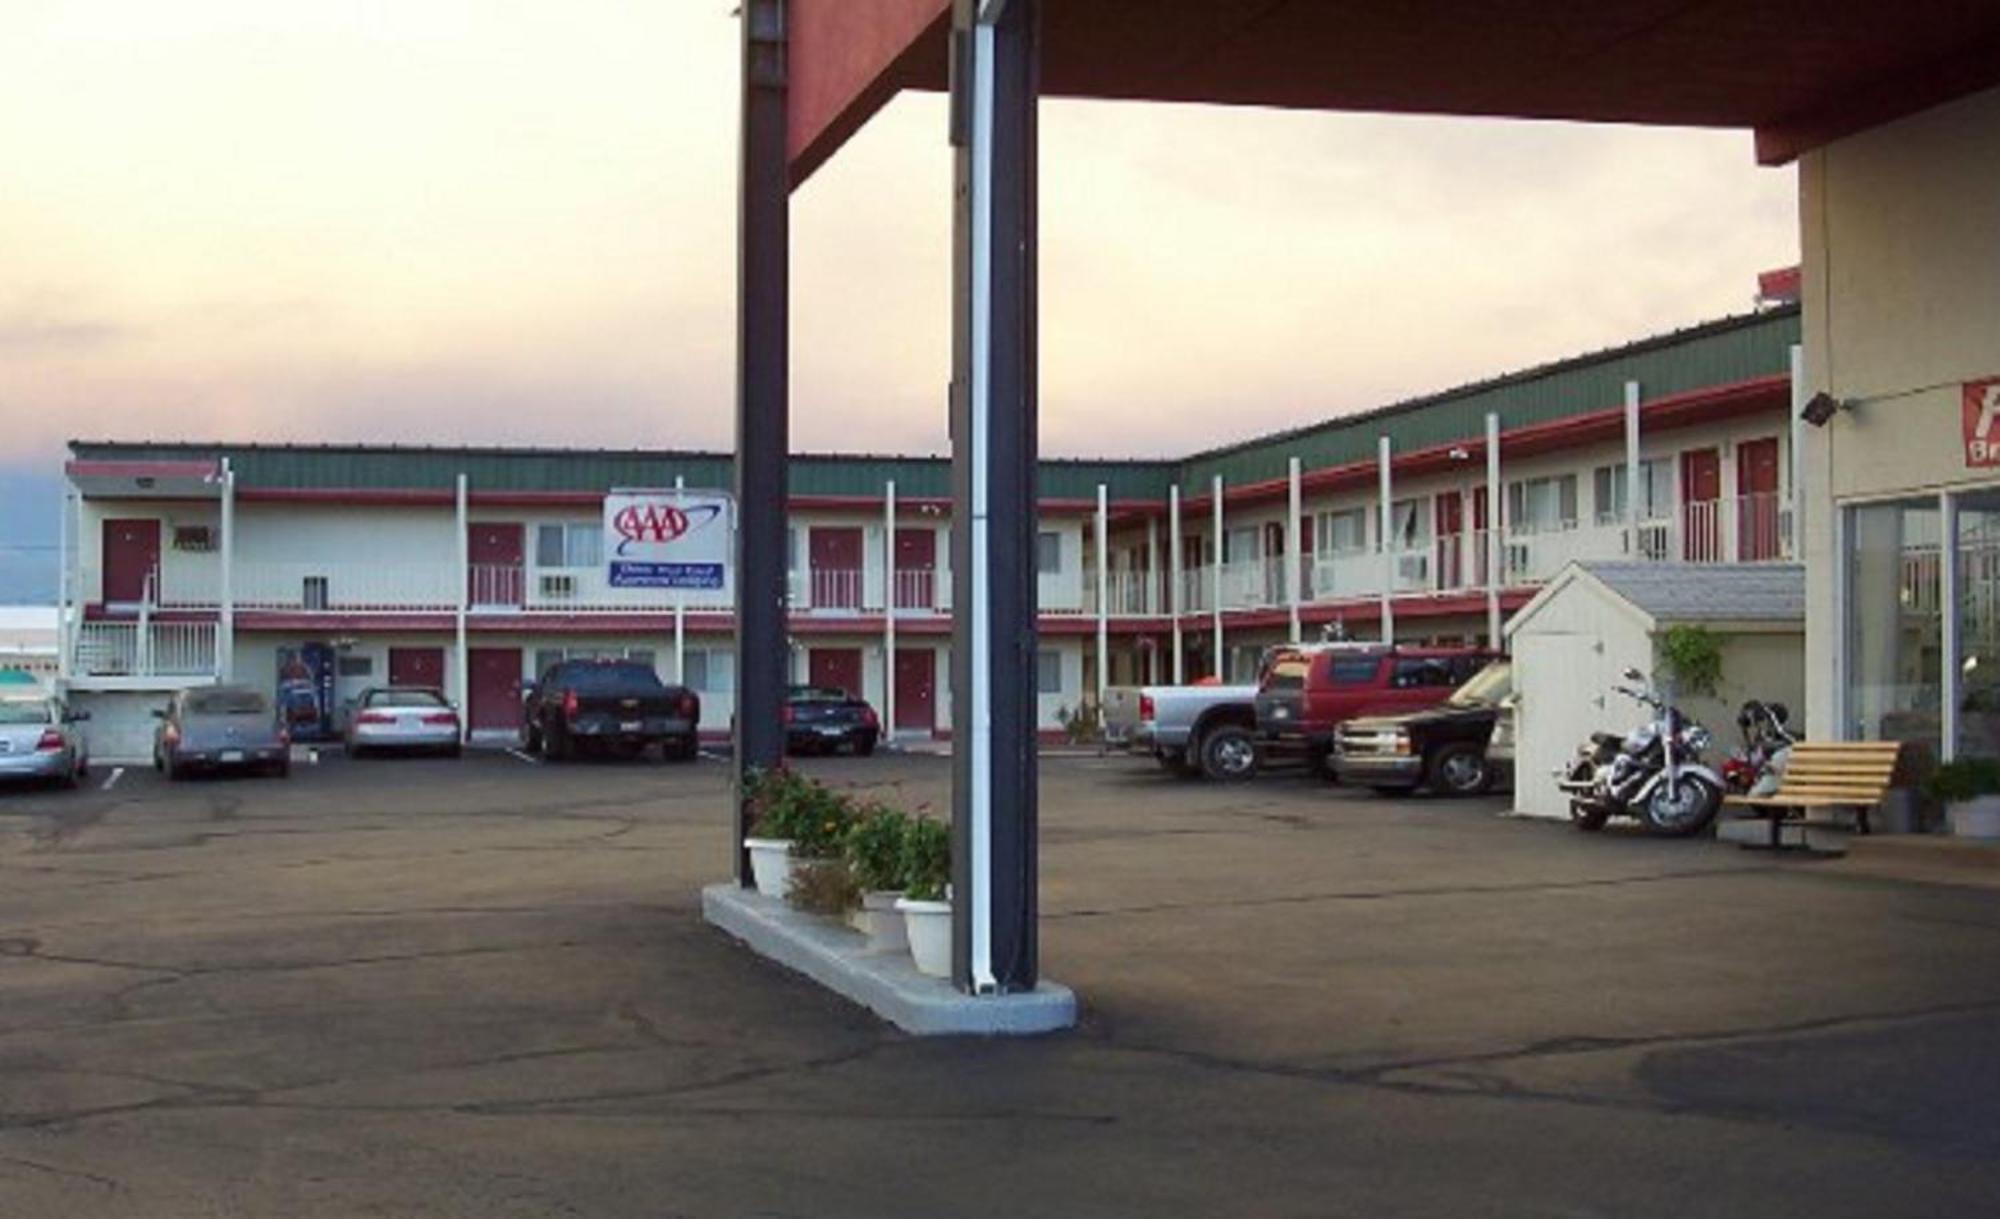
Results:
x,y
1725,352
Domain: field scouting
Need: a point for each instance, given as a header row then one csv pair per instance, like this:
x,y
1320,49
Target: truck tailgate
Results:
x,y
1121,713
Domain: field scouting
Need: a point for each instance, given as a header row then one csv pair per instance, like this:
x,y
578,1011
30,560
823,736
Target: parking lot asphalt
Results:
x,y
482,989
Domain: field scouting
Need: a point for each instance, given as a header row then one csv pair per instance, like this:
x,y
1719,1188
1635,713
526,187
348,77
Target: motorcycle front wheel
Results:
x,y
1587,817
1682,806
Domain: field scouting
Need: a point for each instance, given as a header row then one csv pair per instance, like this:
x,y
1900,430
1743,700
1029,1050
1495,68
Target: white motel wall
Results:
x,y
1901,289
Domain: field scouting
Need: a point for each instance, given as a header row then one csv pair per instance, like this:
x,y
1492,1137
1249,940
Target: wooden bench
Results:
x,y
1822,774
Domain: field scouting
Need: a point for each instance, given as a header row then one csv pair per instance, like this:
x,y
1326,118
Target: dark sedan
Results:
x,y
822,719
216,728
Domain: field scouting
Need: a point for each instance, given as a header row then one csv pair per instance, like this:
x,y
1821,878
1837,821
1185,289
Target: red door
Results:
x,y
493,687
834,559
417,667
1450,512
916,569
131,556
1701,501
836,669
1479,539
497,552
916,689
1757,524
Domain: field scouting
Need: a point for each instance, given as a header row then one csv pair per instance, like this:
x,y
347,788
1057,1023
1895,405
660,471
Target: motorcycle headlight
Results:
x,y
1698,739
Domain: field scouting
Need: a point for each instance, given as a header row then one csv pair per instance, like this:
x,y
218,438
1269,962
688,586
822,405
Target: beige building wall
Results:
x,y
1900,235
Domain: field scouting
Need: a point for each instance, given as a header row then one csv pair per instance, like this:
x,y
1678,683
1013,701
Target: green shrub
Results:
x,y
813,817
1691,654
1964,779
874,848
824,886
926,859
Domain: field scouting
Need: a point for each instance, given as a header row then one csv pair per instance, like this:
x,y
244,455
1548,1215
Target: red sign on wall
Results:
x,y
1981,413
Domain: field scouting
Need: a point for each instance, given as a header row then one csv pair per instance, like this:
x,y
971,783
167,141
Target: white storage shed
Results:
x,y
1574,641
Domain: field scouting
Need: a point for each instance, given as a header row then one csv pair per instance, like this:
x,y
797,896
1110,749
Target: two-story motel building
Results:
x,y
472,569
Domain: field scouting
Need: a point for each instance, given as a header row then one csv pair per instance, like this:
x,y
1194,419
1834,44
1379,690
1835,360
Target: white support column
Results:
x,y
680,605
65,589
1948,574
1176,585
1493,535
225,643
1295,555
461,684
1153,602
1795,461
889,610
1103,594
1215,573
1631,469
1388,541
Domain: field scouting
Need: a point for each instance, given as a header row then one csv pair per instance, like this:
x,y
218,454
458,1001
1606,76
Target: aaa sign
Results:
x,y
667,539
1981,413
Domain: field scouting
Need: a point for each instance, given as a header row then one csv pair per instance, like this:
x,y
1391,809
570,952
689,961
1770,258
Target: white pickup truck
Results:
x,y
1191,730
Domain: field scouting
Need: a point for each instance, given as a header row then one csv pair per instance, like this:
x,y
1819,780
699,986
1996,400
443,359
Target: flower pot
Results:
x,y
882,922
1977,818
928,925
771,864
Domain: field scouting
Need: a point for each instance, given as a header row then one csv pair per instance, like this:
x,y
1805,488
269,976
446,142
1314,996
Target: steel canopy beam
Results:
x,y
993,430
763,433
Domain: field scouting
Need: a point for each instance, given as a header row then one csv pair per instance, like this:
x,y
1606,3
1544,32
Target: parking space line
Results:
x,y
111,780
529,758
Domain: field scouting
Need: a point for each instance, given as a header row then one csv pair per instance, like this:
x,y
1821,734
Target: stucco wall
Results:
x,y
1900,231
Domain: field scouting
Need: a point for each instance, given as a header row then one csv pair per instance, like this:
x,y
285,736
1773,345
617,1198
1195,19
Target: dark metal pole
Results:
x,y
994,496
762,424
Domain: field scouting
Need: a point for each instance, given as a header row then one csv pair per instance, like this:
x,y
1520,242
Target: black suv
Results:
x,y
1460,747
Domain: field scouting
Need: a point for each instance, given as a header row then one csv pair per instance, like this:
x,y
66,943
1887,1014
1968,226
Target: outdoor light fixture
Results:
x,y
1458,453
1822,407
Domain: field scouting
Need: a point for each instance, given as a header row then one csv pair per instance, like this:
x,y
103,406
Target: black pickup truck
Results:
x,y
610,706
1460,747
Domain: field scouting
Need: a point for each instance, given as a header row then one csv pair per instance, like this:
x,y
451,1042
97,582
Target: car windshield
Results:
x,y
607,678
25,713
817,694
226,702
1287,671
404,698
1487,687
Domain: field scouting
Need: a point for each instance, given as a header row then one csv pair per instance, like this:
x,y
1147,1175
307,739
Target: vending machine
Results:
x,y
306,691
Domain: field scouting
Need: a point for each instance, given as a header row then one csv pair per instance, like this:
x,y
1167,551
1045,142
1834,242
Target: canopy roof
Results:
x,y
1798,72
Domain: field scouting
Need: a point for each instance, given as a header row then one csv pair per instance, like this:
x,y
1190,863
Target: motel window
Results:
x,y
355,666
1239,545
1048,673
1410,522
1344,532
1656,491
710,671
569,545
1541,505
1048,553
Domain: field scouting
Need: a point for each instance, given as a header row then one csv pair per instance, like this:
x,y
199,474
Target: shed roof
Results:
x,y
1655,595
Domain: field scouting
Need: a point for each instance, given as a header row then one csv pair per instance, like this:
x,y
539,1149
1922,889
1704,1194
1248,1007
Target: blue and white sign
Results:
x,y
667,539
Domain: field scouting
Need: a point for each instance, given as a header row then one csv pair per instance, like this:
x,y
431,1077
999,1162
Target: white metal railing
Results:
x,y
923,591
144,649
1127,594
347,587
583,590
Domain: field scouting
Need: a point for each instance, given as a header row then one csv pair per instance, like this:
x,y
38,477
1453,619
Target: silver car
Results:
x,y
39,740
217,728
402,717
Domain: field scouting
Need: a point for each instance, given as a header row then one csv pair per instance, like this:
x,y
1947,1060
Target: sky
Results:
x,y
498,221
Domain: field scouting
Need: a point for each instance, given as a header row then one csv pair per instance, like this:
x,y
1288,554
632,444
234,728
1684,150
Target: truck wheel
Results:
x,y
1459,769
1228,754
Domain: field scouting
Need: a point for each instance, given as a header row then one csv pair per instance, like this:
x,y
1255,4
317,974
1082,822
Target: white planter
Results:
x,y
771,865
929,928
1978,818
882,922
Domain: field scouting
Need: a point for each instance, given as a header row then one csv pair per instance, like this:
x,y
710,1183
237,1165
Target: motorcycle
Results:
x,y
1756,768
1653,773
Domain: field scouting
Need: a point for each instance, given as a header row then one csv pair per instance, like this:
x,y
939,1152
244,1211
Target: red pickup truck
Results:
x,y
1307,692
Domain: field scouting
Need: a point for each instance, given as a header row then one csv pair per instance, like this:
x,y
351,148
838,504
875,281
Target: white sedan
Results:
x,y
402,717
